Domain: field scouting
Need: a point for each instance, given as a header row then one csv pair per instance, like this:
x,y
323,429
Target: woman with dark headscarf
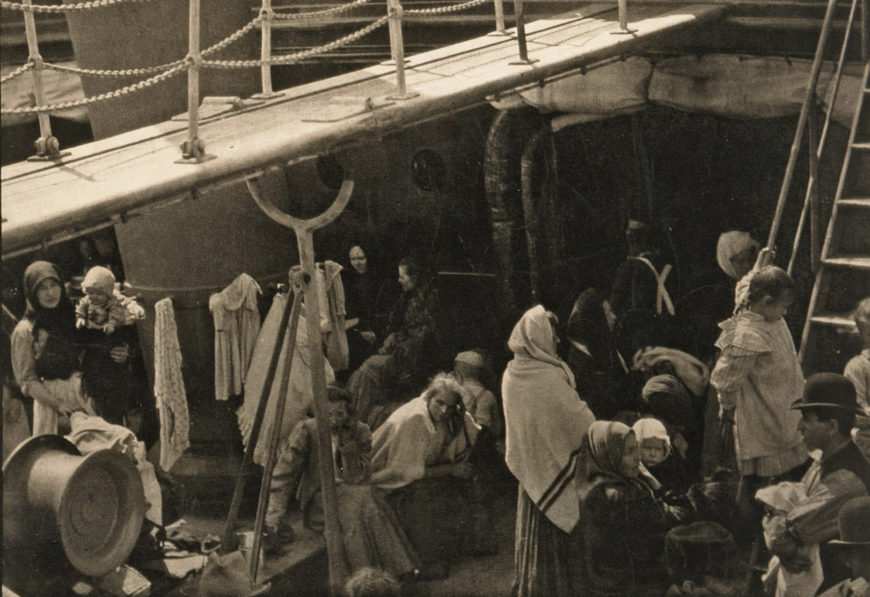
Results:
x,y
545,422
48,305
406,356
622,523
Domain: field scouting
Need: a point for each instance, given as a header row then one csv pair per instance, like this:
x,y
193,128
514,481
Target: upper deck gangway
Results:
x,y
114,178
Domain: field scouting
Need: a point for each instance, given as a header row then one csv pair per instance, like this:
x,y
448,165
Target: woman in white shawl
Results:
x,y
422,456
546,422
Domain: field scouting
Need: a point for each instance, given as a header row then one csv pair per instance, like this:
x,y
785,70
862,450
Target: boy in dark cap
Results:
x,y
828,408
854,546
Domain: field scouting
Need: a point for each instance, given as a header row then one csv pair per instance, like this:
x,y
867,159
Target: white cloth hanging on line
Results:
x,y
236,325
169,386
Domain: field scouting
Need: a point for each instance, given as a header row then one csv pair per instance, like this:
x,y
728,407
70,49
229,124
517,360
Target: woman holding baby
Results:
x,y
48,349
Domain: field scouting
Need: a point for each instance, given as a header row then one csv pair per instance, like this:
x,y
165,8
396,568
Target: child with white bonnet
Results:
x,y
658,457
103,307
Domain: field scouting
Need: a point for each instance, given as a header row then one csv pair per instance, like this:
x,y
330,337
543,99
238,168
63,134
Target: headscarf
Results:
x,y
601,455
732,243
533,339
667,399
60,320
545,420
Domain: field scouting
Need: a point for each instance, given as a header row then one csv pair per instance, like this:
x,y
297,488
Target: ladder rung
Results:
x,y
840,320
855,201
864,145
850,262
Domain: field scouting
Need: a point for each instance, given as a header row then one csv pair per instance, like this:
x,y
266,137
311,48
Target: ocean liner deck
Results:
x,y
115,177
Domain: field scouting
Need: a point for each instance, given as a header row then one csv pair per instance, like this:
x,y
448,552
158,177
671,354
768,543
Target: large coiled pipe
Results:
x,y
510,132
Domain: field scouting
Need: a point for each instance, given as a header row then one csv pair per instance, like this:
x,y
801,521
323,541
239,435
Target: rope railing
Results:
x,y
297,56
415,12
296,16
193,148
17,72
62,8
101,97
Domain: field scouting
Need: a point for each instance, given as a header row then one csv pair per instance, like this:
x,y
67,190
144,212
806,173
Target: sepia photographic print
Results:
x,y
435,298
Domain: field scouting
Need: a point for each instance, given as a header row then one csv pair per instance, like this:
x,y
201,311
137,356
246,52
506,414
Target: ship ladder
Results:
x,y
843,273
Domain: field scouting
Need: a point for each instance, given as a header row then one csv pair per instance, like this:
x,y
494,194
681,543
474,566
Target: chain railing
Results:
x,y
193,149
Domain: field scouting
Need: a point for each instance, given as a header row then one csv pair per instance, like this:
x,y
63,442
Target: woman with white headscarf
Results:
x,y
546,422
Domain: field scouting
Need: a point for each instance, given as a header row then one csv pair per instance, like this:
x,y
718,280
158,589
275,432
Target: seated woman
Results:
x,y
622,523
361,288
371,535
422,456
405,357
46,301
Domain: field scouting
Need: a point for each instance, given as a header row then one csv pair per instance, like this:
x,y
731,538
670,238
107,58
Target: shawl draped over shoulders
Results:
x,y
545,419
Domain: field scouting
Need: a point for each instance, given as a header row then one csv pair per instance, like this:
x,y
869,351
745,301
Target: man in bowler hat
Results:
x,y
854,548
828,408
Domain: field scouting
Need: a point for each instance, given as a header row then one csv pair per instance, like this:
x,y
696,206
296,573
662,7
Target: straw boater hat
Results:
x,y
854,523
828,390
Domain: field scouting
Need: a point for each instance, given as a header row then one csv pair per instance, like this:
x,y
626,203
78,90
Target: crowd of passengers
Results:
x,y
640,469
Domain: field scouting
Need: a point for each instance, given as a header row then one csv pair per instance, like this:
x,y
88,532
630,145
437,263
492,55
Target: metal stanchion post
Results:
x,y
47,146
499,19
267,16
397,49
622,6
521,34
193,150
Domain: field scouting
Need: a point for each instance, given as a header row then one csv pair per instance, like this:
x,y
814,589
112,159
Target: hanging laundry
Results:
x,y
236,325
300,396
332,305
169,386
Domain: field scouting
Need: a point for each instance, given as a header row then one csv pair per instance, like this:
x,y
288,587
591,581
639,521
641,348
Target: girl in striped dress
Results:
x,y
758,377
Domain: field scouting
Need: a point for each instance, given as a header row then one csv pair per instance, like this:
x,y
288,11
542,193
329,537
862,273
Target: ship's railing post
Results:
x,y
47,146
520,19
267,17
622,8
499,18
397,48
193,149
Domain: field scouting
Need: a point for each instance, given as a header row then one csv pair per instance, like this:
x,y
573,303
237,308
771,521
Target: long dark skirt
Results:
x,y
544,555
437,515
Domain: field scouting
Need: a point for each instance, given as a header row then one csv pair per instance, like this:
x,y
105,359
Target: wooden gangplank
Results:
x,y
114,178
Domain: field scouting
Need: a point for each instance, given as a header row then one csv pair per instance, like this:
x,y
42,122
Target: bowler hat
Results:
x,y
854,522
828,390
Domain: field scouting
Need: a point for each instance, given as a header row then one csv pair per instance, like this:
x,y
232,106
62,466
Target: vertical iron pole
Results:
x,y
521,30
46,145
266,15
193,149
397,47
499,17
622,7
305,240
